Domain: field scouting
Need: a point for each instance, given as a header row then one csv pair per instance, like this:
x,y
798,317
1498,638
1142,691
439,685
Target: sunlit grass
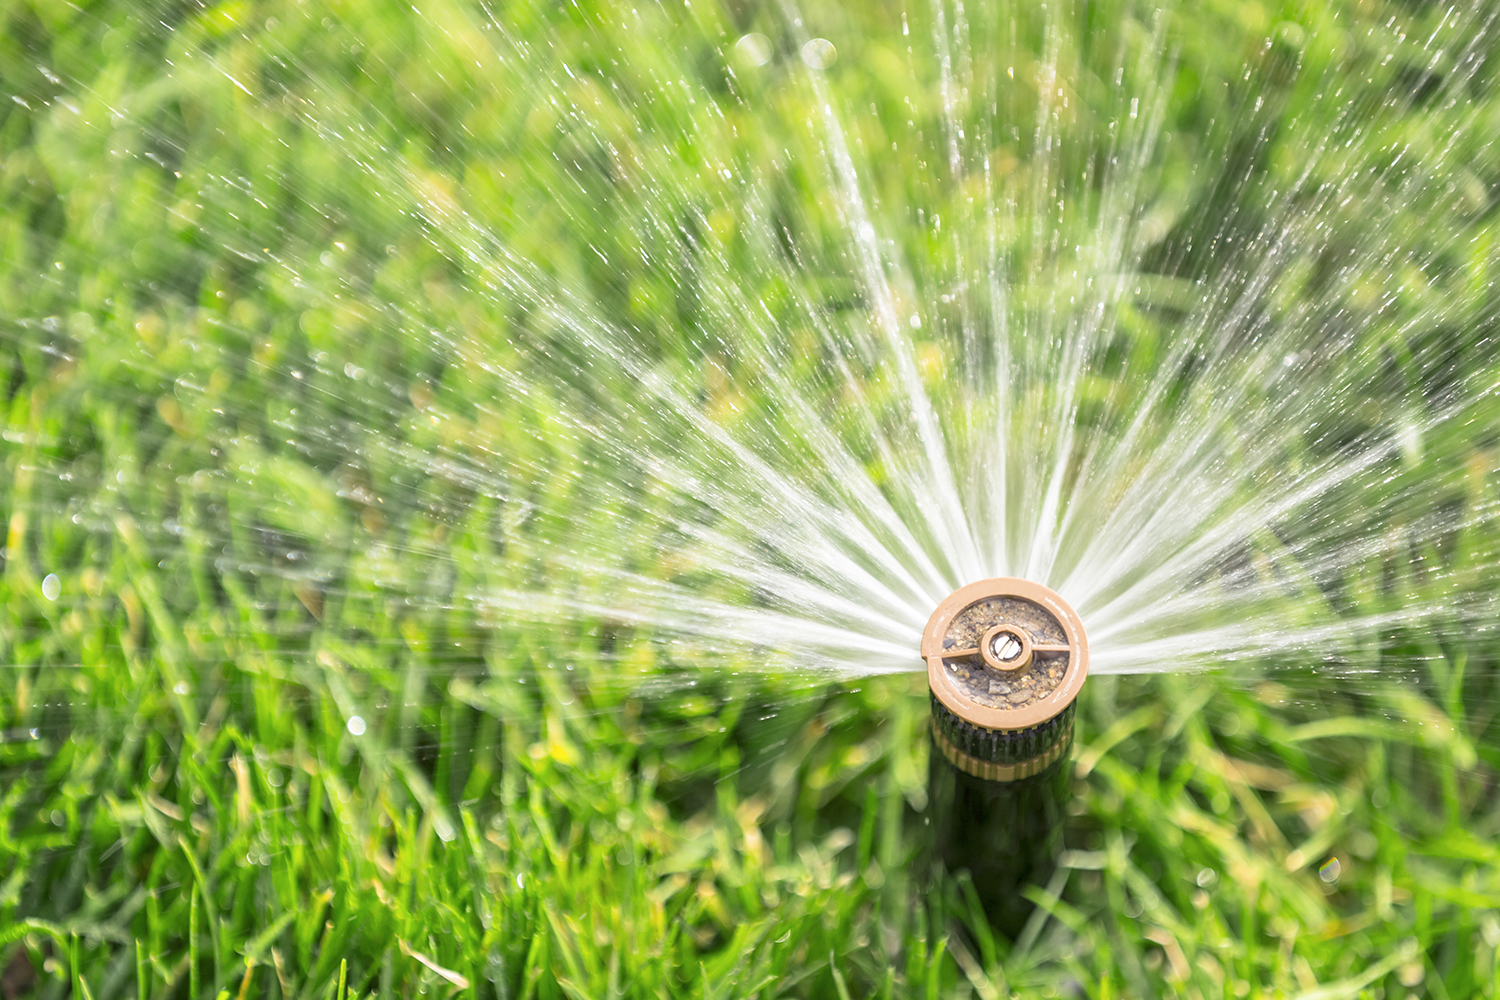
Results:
x,y
251,742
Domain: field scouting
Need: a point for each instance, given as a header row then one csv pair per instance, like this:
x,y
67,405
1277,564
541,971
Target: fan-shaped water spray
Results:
x,y
1215,386
407,400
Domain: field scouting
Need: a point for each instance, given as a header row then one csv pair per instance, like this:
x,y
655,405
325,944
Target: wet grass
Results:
x,y
253,744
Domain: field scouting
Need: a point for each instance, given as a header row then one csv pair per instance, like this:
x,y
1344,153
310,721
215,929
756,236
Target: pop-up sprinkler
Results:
x,y
1005,660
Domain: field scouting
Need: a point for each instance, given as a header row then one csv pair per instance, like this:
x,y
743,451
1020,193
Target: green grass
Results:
x,y
248,554
581,847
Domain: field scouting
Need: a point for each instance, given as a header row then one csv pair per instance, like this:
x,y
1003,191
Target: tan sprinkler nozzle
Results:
x,y
1005,654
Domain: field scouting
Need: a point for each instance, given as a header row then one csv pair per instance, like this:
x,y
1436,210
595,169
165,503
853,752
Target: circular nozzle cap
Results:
x,y
1005,654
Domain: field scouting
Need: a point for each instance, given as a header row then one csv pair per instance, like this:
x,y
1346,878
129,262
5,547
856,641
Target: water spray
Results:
x,y
1006,659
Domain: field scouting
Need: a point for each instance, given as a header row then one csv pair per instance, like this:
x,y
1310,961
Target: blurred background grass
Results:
x,y
251,740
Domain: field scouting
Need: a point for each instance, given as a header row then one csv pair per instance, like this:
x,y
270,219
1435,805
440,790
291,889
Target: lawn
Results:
x,y
280,405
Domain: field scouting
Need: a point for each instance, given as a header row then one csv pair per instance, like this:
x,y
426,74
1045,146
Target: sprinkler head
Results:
x,y
1005,660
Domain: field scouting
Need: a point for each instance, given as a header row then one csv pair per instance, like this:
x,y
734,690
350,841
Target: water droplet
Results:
x,y
1329,872
356,726
753,49
51,587
819,53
